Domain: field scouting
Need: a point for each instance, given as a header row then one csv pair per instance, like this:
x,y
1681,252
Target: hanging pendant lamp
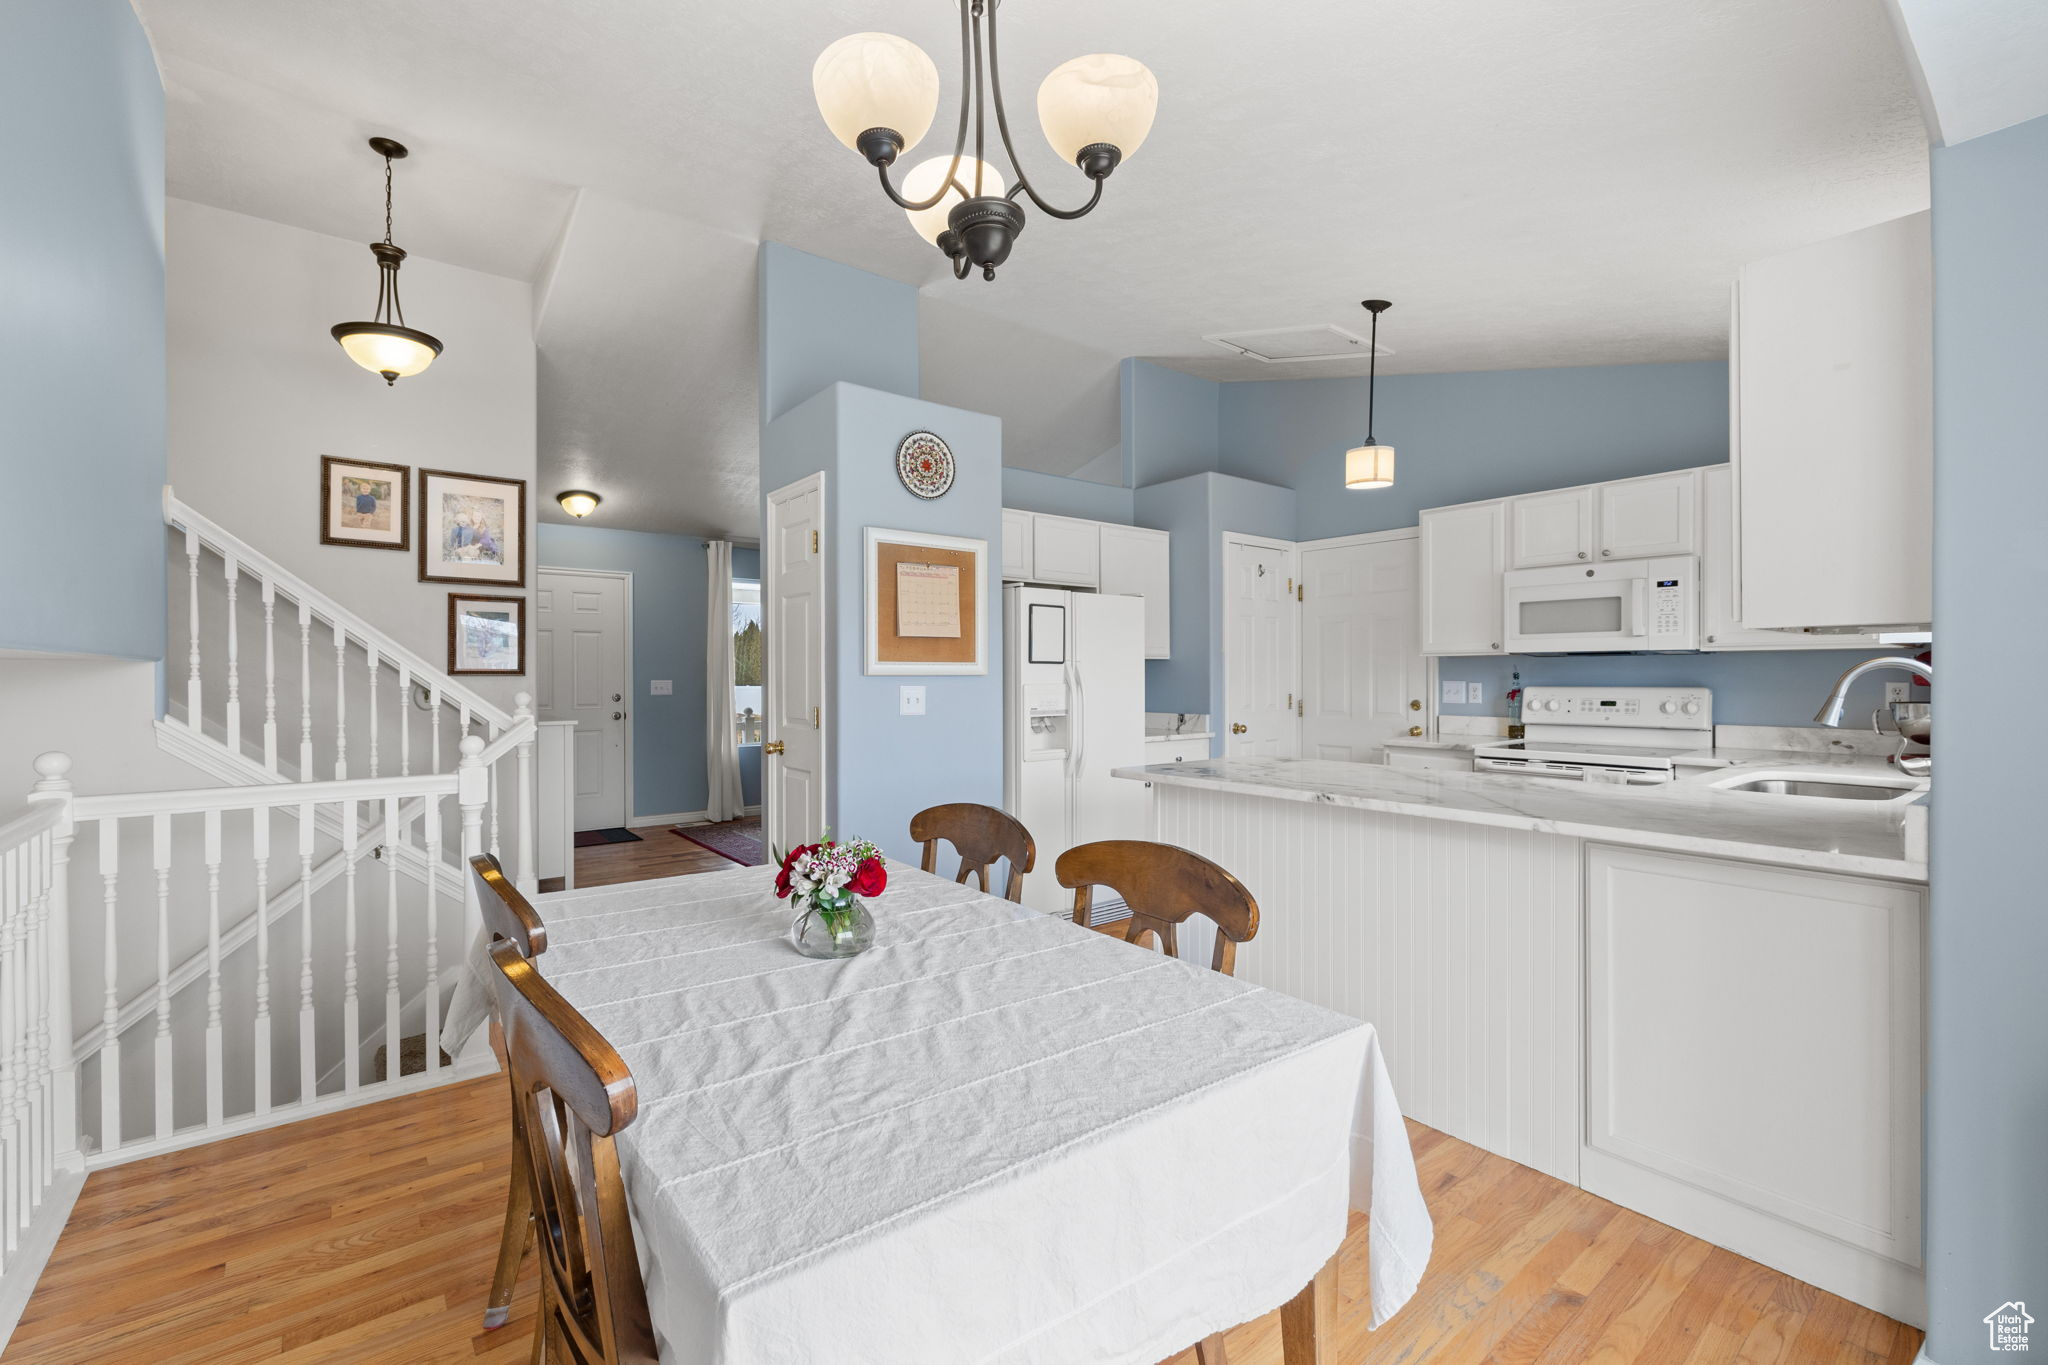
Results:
x,y
385,345
1371,465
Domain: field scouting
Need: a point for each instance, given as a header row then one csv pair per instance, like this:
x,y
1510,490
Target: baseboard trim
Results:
x,y
686,817
33,1253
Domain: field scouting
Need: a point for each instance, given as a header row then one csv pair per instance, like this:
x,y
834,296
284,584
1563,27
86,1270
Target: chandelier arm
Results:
x,y
995,75
967,51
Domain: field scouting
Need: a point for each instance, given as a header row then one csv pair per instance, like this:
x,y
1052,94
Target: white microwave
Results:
x,y
1626,605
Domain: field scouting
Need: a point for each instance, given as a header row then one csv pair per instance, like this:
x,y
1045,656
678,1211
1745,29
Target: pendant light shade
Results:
x,y
1371,465
924,181
385,345
876,80
1099,100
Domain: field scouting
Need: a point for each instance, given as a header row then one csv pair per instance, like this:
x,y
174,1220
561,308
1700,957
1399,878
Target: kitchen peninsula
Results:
x,y
1703,1004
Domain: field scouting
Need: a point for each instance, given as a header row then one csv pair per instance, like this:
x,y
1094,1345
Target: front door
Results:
x,y
793,608
581,667
1261,657
1362,674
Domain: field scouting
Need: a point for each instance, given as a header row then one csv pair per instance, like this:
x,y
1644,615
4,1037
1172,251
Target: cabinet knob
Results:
x,y
618,715
1415,732
1582,554
1605,553
1494,645
1415,704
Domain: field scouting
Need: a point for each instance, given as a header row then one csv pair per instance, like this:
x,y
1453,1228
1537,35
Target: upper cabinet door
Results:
x,y
1016,546
1066,550
1721,625
1657,515
1463,551
1550,528
1134,564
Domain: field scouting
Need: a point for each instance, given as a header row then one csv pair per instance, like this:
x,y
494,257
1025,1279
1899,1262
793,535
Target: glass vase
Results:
x,y
837,926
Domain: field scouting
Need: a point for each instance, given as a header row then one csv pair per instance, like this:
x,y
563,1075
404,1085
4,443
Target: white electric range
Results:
x,y
1627,735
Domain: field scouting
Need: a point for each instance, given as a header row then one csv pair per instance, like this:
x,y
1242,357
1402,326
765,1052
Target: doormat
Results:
x,y
739,840
591,838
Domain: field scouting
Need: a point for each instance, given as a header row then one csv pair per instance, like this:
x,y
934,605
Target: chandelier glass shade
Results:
x,y
1371,465
879,95
385,345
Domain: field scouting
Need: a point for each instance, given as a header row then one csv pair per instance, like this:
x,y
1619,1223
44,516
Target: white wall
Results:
x,y
259,391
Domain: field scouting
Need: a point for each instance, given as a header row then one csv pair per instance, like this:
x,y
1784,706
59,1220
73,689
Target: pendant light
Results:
x,y
385,345
1371,465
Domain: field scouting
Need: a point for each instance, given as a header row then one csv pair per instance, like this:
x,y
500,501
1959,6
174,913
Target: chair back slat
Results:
x,y
507,914
1163,886
574,1095
982,835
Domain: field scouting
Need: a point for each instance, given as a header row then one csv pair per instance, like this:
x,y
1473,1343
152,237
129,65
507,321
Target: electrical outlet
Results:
x,y
1454,694
1474,694
910,700
661,687
1895,691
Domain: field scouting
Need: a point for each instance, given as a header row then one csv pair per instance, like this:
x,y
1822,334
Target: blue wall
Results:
x,y
1775,687
671,580
82,330
1030,491
1170,423
1987,1103
822,322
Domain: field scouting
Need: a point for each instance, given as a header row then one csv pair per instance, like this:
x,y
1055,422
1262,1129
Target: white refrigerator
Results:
x,y
1073,710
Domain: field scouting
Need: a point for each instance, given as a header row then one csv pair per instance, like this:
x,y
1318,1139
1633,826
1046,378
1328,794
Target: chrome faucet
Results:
x,y
1831,712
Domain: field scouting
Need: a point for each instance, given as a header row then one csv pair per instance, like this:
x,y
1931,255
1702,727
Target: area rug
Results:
x,y
739,840
591,838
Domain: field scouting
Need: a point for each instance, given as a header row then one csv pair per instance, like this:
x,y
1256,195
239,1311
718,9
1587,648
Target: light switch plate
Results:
x,y
661,687
910,700
1454,693
1475,693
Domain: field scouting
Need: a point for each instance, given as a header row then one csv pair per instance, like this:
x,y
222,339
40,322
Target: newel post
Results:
x,y
522,714
53,786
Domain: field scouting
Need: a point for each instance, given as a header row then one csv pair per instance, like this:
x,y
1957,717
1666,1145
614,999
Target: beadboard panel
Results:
x,y
1459,943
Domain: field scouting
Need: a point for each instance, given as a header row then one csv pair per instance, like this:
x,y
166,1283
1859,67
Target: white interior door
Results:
x,y
1362,673
1261,659
582,655
793,611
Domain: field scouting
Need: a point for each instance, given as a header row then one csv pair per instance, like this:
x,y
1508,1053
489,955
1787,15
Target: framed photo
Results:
x,y
486,634
472,529
925,599
363,503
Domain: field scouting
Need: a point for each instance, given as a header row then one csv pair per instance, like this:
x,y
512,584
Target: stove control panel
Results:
x,y
1634,708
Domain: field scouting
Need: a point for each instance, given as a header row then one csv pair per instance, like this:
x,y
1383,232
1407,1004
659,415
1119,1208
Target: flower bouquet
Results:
x,y
826,881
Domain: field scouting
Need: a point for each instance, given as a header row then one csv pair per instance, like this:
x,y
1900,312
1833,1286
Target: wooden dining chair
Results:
x,y
508,918
1162,885
981,835
574,1096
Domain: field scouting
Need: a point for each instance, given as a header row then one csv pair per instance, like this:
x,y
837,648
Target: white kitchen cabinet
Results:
x,y
1134,564
1066,550
1832,433
1463,554
1654,515
1016,546
1721,628
1551,528
1753,1062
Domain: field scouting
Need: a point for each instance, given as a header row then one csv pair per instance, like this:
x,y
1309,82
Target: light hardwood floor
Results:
x,y
369,1236
660,852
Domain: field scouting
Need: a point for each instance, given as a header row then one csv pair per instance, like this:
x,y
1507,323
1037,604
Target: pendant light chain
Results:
x,y
387,201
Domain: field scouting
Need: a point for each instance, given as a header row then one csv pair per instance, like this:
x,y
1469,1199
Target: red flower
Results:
x,y
869,878
782,877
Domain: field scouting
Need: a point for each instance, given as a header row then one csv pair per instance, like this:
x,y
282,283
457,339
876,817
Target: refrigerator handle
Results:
x,y
1077,720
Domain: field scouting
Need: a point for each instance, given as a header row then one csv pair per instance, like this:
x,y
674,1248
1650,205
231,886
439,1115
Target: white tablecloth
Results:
x,y
994,1137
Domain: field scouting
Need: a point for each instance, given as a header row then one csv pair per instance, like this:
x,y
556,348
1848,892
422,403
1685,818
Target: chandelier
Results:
x,y
879,94
385,345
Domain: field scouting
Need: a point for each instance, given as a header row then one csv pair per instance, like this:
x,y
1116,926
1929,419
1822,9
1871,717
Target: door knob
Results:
x,y
772,747
617,697
1415,705
1237,729
1415,732
618,715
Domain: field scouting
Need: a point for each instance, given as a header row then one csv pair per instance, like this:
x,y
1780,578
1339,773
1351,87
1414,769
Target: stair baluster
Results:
x,y
340,703
216,1107
430,832
351,1005
404,720
233,576
370,653
394,1036
110,1012
160,845
309,1077
192,712
259,847
269,674
305,692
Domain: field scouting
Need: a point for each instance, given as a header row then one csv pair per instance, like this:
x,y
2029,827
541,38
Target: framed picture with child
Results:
x,y
472,529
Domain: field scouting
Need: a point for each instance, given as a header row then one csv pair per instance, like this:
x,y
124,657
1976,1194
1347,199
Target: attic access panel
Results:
x,y
1285,345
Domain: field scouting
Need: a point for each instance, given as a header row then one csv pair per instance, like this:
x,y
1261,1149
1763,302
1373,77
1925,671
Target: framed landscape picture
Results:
x,y
472,529
486,634
362,503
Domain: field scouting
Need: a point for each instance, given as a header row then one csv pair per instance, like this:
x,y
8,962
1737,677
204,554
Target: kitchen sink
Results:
x,y
1826,785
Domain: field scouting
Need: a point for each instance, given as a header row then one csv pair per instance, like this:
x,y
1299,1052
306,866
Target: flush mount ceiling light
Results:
x,y
879,94
385,345
578,503
1371,465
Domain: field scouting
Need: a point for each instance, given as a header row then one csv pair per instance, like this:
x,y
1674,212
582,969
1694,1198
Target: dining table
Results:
x,y
993,1138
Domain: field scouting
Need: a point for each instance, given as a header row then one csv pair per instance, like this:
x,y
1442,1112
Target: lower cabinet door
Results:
x,y
1753,1062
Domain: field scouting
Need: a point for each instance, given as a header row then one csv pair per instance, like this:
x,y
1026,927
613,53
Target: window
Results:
x,y
746,660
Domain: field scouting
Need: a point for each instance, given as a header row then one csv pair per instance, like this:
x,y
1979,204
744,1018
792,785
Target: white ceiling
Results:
x,y
1533,182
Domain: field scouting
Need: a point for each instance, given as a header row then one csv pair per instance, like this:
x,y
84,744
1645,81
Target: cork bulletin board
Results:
x,y
925,603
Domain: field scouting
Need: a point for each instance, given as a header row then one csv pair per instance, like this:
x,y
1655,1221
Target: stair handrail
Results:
x,y
181,516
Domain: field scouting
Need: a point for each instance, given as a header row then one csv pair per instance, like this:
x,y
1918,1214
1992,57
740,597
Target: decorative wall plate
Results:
x,y
925,464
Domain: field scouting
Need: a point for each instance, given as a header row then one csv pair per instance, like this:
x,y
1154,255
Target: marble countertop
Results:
x,y
1687,816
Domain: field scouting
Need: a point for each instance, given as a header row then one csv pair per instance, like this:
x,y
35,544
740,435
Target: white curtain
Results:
x,y
721,739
